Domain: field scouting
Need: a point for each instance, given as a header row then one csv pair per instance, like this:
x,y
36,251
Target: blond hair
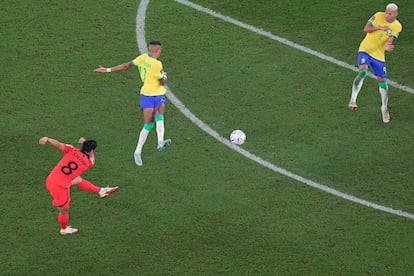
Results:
x,y
392,7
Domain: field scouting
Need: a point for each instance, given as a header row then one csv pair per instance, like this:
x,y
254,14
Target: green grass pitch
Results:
x,y
200,208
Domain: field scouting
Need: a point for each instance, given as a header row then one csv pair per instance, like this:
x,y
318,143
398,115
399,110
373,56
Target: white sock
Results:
x,y
141,141
356,87
160,131
384,98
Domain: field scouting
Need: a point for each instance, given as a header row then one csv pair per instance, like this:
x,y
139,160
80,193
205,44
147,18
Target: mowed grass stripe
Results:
x,y
140,31
288,42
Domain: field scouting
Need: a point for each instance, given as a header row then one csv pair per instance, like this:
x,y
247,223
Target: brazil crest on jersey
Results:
x,y
150,71
373,43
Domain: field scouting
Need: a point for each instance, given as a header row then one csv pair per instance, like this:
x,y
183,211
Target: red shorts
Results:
x,y
61,195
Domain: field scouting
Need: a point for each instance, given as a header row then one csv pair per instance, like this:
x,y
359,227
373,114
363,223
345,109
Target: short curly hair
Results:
x,y
88,146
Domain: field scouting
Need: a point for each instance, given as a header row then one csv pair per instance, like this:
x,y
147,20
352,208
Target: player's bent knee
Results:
x,y
159,117
77,180
363,73
148,126
383,85
63,210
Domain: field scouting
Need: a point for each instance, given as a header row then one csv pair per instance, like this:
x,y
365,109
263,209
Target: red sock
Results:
x,y
88,186
63,220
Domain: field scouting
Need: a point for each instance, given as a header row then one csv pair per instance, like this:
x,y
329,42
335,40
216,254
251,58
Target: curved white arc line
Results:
x,y
287,42
206,128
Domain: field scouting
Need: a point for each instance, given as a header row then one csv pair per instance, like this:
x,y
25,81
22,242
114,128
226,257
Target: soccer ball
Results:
x,y
237,137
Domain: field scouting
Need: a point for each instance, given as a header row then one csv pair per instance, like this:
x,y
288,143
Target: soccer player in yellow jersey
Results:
x,y
152,95
382,29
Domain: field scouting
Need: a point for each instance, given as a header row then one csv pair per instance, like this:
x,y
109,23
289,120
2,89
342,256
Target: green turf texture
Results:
x,y
200,208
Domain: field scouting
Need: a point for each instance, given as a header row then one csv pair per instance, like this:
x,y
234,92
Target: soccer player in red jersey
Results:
x,y
68,173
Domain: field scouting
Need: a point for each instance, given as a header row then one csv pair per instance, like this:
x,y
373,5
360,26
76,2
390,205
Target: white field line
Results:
x,y
142,45
286,42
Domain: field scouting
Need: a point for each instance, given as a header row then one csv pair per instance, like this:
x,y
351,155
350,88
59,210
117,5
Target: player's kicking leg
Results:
x,y
85,185
104,192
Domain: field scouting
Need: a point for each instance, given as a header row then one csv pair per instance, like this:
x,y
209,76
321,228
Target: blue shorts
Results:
x,y
151,101
378,67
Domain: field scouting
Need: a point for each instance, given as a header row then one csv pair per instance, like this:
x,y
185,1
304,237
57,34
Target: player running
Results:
x,y
152,95
68,173
382,29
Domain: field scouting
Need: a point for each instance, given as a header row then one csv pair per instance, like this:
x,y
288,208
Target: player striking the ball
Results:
x,y
382,29
68,173
152,95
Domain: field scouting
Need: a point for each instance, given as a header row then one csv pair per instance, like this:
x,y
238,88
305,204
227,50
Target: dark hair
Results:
x,y
155,42
88,146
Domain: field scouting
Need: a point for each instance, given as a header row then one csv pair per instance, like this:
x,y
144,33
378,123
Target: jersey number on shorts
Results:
x,y
72,166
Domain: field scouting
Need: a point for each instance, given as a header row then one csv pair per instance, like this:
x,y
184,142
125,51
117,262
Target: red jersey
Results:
x,y
72,165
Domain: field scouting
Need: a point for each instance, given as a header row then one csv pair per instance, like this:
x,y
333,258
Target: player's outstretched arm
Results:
x,y
120,67
53,142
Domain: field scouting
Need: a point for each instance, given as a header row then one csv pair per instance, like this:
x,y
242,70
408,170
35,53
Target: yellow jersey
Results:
x,y
150,71
373,43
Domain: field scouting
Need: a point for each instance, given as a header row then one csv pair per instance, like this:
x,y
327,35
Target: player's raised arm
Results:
x,y
369,28
53,142
120,67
